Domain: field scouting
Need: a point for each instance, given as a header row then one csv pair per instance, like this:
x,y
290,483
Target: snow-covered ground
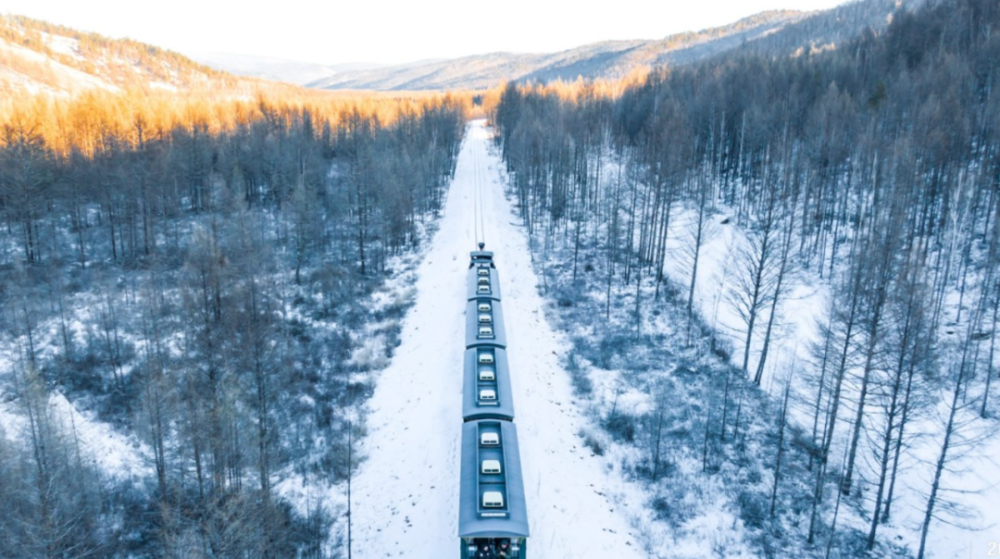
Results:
x,y
405,495
64,79
971,483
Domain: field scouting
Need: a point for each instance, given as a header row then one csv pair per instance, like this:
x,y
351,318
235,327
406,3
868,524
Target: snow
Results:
x,y
11,422
112,453
163,86
58,76
65,77
63,45
369,353
21,82
405,495
972,480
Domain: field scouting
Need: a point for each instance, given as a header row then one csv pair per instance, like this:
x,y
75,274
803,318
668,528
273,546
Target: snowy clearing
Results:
x,y
406,493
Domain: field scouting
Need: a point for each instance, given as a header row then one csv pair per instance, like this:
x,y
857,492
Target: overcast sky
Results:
x,y
389,31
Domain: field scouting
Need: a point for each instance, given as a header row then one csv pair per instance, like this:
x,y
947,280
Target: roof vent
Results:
x,y
492,500
489,439
491,467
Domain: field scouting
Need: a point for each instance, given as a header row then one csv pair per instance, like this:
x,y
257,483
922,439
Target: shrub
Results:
x,y
621,427
672,503
753,508
591,442
582,386
662,507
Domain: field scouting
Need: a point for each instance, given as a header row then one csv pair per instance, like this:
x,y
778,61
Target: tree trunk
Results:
x,y
782,420
949,430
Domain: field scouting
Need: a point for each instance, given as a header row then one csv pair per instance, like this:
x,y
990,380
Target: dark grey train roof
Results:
x,y
512,520
473,284
472,408
472,339
481,255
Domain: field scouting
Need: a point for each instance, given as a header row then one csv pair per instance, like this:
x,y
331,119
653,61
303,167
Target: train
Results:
x,y
493,514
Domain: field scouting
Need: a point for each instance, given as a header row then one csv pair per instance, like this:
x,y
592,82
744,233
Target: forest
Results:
x,y
191,270
197,280
872,170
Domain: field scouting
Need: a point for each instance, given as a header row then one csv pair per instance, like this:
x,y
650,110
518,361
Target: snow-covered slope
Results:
x,y
41,58
970,484
17,65
405,495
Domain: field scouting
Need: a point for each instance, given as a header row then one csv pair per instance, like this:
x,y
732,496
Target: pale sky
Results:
x,y
390,31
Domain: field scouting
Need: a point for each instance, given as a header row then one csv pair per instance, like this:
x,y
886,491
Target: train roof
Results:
x,y
481,255
492,283
510,519
473,407
476,319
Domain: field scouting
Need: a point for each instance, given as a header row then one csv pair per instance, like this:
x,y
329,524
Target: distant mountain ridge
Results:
x,y
264,67
37,57
275,69
778,32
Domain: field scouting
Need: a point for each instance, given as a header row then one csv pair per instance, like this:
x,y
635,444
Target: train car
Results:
x,y
484,283
484,325
492,509
486,390
483,280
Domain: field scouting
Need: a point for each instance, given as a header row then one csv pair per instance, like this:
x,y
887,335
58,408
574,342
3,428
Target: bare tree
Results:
x,y
847,312
25,179
782,422
703,230
908,333
783,269
881,269
759,260
957,439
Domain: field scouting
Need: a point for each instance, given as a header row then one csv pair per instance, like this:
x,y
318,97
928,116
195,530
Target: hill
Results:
x,y
781,32
271,68
825,224
39,57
